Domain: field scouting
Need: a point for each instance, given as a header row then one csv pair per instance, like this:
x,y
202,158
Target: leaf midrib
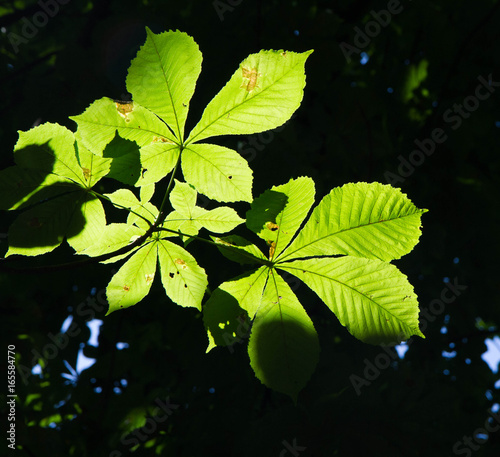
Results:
x,y
192,140
341,231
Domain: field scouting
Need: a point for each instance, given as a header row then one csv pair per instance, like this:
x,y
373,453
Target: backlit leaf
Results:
x,y
284,346
261,95
372,299
133,280
163,76
373,220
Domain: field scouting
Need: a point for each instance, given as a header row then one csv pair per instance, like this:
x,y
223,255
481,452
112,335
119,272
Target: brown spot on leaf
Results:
x,y
272,226
181,263
124,108
126,288
160,139
252,75
272,248
149,278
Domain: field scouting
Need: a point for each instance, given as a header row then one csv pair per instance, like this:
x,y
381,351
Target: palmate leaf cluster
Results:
x,y
340,250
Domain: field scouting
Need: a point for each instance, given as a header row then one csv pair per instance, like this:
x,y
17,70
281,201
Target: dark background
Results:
x,y
356,122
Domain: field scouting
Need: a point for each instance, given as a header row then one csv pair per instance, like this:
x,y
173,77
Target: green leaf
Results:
x,y
373,299
179,223
373,220
184,280
20,187
123,198
217,220
94,217
125,160
237,249
163,76
261,95
144,215
231,306
94,167
283,347
415,77
146,192
183,198
157,160
112,238
49,148
100,122
247,289
133,280
42,228
217,172
276,215
225,321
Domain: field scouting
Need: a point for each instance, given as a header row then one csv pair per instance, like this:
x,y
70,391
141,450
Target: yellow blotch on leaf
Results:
x,y
251,75
149,278
124,109
272,248
272,226
181,263
86,173
160,139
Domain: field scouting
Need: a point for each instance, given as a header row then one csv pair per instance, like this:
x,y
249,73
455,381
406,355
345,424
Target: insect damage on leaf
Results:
x,y
181,263
251,75
272,226
124,109
272,248
86,173
160,139
149,278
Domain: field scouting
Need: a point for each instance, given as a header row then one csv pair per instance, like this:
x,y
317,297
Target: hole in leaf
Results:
x,y
272,226
185,285
171,274
230,177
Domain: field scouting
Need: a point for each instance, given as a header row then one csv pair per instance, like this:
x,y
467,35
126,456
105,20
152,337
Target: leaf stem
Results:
x,y
219,245
162,214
